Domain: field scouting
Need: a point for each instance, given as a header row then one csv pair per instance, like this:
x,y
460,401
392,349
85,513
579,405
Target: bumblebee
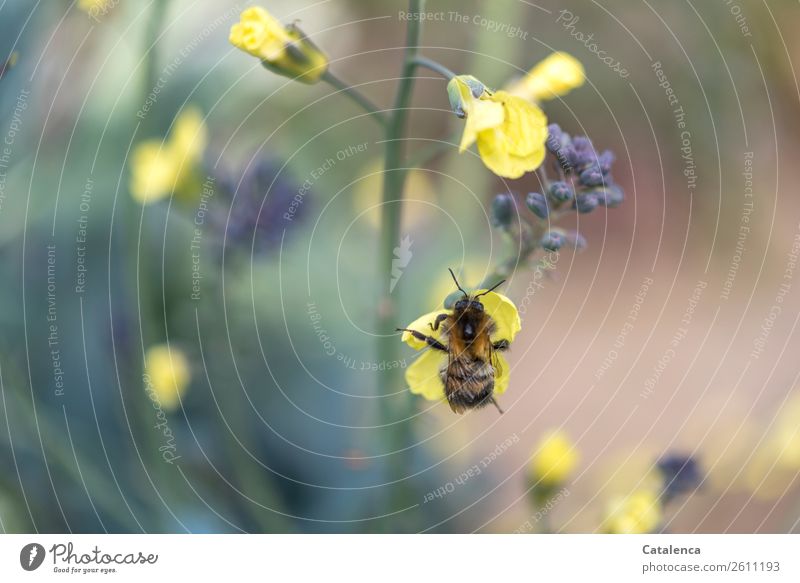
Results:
x,y
469,373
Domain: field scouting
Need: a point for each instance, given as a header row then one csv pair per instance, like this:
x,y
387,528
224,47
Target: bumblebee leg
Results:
x,y
501,345
494,402
432,342
439,319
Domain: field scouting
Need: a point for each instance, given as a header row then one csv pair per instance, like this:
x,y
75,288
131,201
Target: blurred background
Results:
x,y
671,336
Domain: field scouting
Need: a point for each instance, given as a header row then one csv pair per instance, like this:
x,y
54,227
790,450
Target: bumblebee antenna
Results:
x,y
492,400
458,285
494,287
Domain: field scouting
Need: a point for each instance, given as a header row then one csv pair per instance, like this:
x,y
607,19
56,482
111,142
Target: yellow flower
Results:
x,y
776,462
638,513
169,375
553,77
95,7
554,460
285,50
509,131
159,168
423,376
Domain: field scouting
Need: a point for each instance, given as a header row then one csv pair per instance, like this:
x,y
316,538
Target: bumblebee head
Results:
x,y
469,302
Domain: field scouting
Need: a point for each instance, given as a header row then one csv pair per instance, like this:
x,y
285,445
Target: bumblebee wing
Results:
x,y
497,362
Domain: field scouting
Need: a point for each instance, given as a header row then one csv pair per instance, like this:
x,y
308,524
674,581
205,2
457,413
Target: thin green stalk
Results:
x,y
434,66
356,96
393,183
391,211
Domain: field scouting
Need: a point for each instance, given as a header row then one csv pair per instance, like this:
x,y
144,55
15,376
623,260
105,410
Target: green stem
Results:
x,y
155,22
391,214
147,307
393,183
434,66
356,96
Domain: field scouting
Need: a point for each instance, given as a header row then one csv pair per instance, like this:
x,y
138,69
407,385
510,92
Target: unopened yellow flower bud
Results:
x,y
553,77
285,50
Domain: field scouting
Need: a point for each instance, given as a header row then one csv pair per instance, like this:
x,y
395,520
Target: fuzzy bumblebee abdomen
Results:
x,y
468,384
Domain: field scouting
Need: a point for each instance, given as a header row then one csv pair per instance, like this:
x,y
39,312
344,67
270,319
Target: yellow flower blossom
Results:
x,y
510,132
553,77
159,168
168,375
776,462
554,460
638,513
95,7
423,376
285,50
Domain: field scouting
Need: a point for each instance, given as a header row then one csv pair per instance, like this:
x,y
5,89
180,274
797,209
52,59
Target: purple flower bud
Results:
x,y
592,176
576,240
552,241
611,196
606,160
502,210
584,151
586,203
681,474
560,191
559,144
537,202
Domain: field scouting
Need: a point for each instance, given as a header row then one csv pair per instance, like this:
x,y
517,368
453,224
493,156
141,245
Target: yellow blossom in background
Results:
x,y
637,513
509,131
423,376
553,77
554,460
93,7
285,50
159,168
776,462
169,375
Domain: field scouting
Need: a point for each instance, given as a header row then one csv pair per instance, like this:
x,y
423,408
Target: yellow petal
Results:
x,y
553,77
189,137
504,313
482,115
502,374
423,324
423,375
518,144
638,513
260,34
